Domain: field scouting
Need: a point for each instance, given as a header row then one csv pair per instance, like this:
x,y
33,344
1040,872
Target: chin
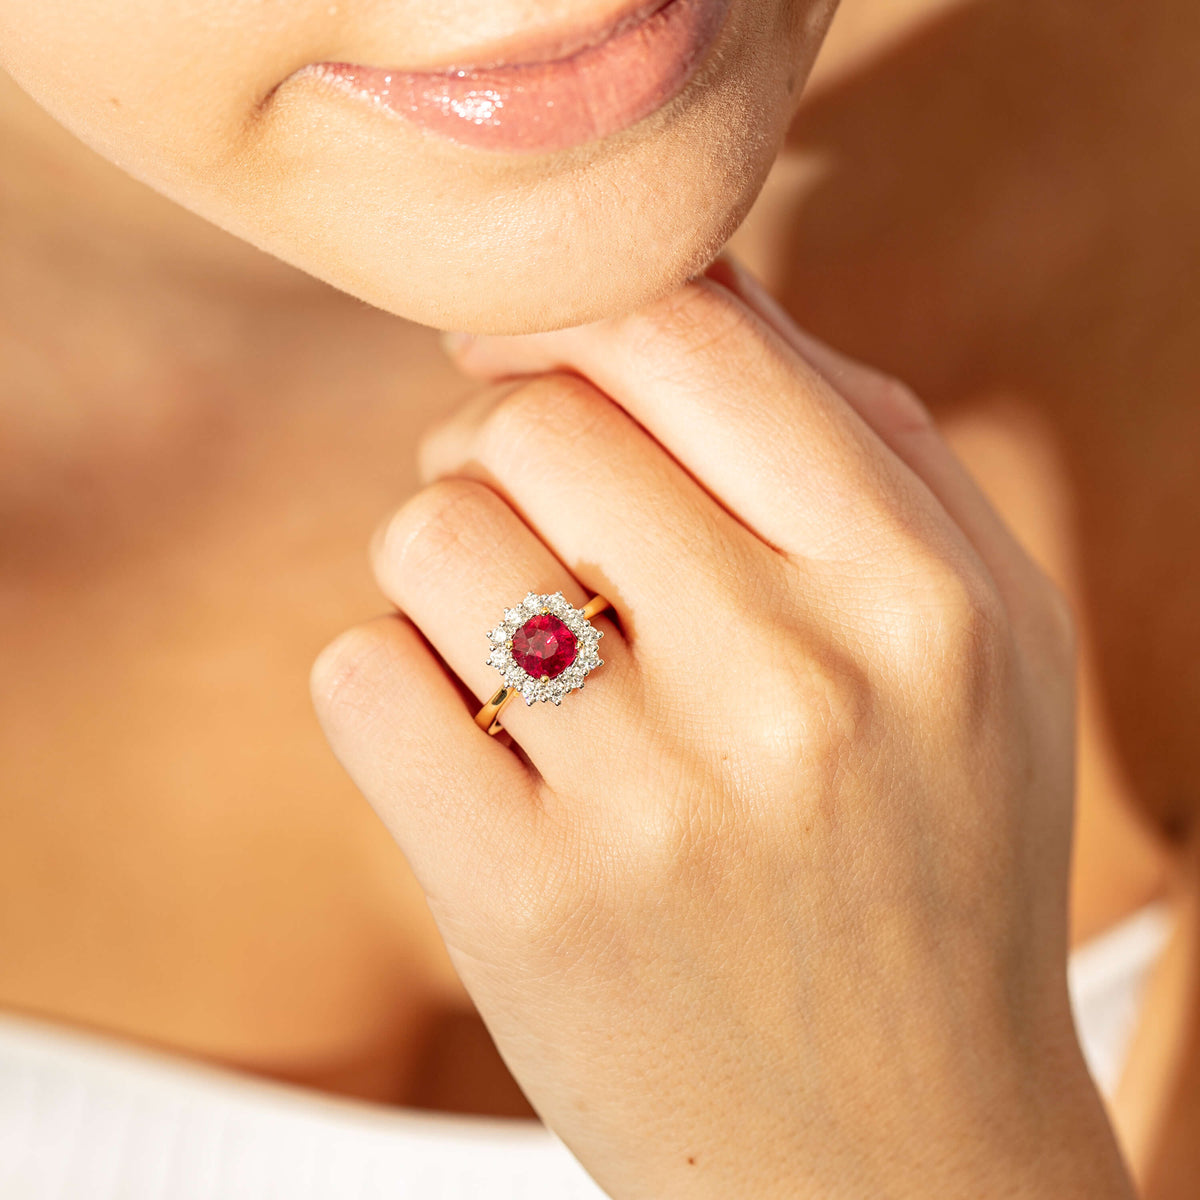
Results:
x,y
560,248
459,238
291,139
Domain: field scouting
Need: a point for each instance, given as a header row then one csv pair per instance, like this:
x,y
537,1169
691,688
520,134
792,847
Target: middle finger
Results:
x,y
609,501
751,418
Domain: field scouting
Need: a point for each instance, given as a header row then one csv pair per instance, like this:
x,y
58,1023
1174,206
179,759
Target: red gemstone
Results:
x,y
544,646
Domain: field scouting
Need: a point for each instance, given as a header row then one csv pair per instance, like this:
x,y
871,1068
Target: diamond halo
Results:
x,y
587,642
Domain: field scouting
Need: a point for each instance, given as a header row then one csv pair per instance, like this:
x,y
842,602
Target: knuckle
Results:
x,y
690,849
344,678
800,727
542,407
560,905
435,528
698,316
968,639
938,616
830,701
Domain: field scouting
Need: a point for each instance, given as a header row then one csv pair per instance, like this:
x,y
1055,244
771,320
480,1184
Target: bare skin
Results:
x,y
115,522
142,563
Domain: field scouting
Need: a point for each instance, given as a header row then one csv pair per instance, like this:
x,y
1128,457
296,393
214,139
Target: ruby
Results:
x,y
544,646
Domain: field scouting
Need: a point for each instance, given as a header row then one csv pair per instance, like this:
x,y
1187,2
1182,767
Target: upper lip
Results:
x,y
550,43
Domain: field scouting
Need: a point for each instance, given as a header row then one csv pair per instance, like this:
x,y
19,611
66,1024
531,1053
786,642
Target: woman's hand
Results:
x,y
776,906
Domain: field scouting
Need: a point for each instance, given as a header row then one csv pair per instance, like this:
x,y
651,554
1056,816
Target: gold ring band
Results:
x,y
488,717
594,607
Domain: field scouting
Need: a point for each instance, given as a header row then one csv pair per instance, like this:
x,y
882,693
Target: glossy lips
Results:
x,y
540,106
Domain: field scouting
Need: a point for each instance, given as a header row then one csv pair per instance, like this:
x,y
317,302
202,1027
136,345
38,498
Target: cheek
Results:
x,y
167,90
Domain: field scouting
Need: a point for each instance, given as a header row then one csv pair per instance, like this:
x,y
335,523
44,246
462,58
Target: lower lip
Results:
x,y
540,107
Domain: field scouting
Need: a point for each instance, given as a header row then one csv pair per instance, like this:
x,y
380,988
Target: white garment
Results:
x,y
89,1118
85,1118
1106,977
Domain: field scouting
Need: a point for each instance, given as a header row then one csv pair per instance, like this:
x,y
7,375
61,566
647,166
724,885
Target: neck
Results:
x,y
125,319
67,211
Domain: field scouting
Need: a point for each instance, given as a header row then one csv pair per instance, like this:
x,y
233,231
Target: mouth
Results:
x,y
553,93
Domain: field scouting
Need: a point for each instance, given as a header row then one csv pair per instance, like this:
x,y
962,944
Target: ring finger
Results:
x,y
453,558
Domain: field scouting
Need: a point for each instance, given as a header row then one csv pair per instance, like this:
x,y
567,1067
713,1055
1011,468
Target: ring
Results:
x,y
544,648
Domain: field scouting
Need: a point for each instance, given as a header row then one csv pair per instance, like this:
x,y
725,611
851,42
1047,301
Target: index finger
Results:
x,y
748,416
906,426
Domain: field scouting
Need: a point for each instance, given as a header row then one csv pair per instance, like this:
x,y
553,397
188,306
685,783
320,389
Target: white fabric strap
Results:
x,y
1107,977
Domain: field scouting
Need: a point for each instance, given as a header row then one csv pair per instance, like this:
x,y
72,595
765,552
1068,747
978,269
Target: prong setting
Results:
x,y
587,639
